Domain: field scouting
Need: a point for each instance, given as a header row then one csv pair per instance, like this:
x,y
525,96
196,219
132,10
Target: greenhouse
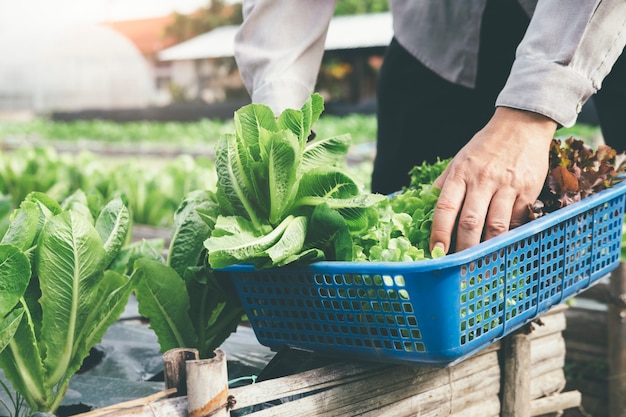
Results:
x,y
70,67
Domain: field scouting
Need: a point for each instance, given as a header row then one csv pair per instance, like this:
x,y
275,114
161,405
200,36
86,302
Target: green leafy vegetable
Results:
x,y
186,303
577,171
166,303
426,174
270,180
402,232
61,297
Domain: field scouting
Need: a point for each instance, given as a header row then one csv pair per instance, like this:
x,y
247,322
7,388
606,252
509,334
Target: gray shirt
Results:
x,y
568,49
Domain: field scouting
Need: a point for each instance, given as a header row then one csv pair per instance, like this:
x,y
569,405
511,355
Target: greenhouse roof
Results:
x,y
344,32
51,67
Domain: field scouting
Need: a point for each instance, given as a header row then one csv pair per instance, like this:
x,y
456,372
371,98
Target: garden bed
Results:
x,y
521,375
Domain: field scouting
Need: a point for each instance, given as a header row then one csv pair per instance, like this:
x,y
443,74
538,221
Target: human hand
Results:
x,y
486,188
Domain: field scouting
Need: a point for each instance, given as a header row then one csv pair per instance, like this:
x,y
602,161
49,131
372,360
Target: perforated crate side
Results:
x,y
436,311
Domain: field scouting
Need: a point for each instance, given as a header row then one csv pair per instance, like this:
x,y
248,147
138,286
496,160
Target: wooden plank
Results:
x,y
479,401
548,324
474,394
436,393
438,401
547,384
404,385
144,407
554,403
442,401
316,379
344,373
516,375
546,354
447,398
547,348
489,407
546,366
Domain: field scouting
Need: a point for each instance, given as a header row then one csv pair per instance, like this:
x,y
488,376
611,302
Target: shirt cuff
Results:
x,y
547,88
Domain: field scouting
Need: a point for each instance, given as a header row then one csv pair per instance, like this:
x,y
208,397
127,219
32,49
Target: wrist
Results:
x,y
527,123
525,117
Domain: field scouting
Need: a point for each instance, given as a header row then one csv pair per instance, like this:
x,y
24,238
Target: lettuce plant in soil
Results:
x,y
185,301
57,295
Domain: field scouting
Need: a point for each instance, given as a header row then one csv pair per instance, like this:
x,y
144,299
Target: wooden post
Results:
x,y
561,401
516,374
175,368
617,342
207,387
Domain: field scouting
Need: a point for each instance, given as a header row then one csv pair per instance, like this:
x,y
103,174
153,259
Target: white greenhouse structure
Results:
x,y
69,68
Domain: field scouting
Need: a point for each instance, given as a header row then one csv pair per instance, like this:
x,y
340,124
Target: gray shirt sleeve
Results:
x,y
279,49
568,49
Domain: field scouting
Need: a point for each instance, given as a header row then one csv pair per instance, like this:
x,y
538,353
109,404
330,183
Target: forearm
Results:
x,y
568,49
279,49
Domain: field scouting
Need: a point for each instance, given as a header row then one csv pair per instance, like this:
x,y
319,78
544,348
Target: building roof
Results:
x,y
146,34
217,43
344,32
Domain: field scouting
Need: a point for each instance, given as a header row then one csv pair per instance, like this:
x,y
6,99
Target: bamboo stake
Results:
x,y
175,368
207,387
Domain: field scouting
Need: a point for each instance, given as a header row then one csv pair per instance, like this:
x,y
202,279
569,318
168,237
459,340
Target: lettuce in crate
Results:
x,y
577,171
285,198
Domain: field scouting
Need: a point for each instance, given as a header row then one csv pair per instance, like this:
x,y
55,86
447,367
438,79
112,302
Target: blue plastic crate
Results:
x,y
437,311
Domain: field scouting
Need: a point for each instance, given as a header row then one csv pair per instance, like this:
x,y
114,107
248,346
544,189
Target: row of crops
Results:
x,y
152,165
361,127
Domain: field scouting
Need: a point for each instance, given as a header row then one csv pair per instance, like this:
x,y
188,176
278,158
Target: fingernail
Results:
x,y
438,250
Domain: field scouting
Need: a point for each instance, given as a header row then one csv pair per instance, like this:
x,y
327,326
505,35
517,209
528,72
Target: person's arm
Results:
x,y
279,49
569,47
486,188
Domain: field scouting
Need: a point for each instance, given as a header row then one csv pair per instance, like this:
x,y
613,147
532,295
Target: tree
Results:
x,y
205,19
